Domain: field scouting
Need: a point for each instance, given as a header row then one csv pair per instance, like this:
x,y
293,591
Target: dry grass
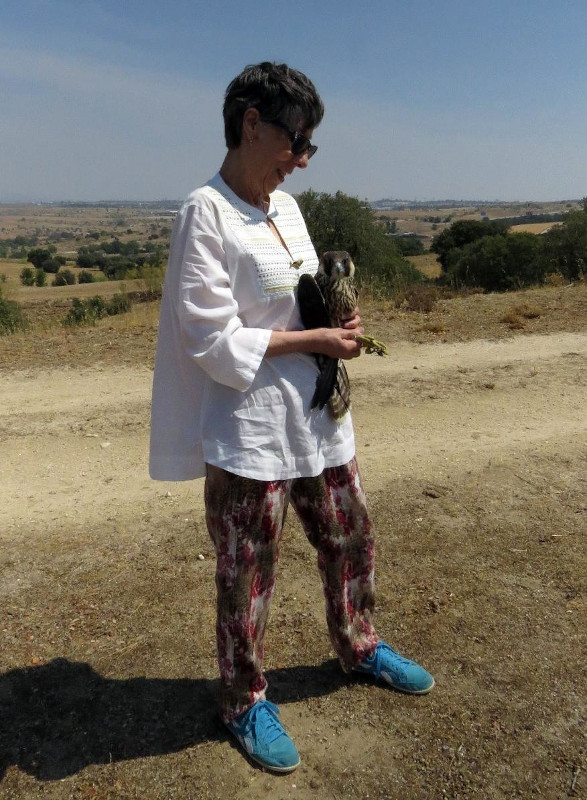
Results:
x,y
516,316
427,264
527,311
418,297
456,319
44,220
512,319
430,327
534,227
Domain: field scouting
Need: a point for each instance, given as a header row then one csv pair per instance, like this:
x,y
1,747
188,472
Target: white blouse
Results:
x,y
216,398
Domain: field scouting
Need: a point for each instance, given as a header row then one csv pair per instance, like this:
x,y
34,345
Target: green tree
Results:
x,y
44,258
410,245
499,263
53,264
565,246
340,222
461,233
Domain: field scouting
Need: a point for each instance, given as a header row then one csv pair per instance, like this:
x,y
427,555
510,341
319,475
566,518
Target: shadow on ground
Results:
x,y
58,718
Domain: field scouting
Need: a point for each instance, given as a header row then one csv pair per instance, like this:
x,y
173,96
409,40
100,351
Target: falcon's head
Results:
x,y
336,264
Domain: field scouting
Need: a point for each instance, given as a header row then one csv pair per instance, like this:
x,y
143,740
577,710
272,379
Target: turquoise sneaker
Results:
x,y
263,737
397,671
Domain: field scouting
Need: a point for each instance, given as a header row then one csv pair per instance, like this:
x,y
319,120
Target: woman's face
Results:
x,y
274,158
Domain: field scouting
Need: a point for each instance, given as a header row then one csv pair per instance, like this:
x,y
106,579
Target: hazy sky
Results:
x,y
425,99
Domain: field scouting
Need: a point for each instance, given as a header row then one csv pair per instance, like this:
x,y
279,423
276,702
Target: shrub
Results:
x,y
119,304
77,314
85,276
40,277
27,276
64,278
153,278
87,312
12,318
96,307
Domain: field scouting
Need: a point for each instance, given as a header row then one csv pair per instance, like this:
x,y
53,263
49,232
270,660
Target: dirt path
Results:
x,y
474,457
82,436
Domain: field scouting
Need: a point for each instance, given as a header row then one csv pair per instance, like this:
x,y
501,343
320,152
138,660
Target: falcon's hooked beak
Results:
x,y
337,264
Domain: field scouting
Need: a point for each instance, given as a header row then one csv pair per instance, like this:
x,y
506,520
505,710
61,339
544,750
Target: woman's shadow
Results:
x,y
58,718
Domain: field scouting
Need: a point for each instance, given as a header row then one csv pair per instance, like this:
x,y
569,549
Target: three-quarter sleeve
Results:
x,y
212,332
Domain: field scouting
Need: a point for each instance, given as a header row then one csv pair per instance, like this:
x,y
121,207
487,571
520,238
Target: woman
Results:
x,y
234,377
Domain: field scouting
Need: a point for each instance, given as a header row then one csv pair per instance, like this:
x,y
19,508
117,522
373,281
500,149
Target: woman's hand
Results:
x,y
352,322
333,342
339,342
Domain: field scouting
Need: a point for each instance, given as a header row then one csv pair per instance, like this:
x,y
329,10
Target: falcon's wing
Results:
x,y
312,306
314,315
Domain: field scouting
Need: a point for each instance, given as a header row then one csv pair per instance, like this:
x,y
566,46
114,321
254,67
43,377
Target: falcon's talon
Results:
x,y
372,345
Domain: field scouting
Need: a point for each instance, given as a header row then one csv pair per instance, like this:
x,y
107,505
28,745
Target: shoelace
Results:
x,y
378,654
272,728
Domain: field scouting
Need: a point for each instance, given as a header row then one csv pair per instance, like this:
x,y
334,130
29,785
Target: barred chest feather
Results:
x,y
340,296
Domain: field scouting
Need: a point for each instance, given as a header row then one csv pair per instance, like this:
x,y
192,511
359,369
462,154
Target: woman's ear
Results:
x,y
251,119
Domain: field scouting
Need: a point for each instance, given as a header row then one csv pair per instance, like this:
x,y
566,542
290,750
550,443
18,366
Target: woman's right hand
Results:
x,y
332,342
338,342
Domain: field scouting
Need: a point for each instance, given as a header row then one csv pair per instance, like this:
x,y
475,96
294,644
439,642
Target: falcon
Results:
x,y
325,300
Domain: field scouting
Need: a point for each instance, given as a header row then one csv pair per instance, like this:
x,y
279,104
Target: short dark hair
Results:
x,y
277,91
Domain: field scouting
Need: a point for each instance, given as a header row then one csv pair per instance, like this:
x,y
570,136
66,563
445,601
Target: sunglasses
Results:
x,y
300,144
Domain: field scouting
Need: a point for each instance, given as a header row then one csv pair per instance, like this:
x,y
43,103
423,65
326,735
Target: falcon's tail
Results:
x,y
325,382
340,402
332,388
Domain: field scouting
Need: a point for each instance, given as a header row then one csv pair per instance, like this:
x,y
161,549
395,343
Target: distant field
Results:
x,y
427,264
534,227
125,223
39,294
428,222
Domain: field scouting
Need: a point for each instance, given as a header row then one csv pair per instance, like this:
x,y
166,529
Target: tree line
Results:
x,y
487,255
115,259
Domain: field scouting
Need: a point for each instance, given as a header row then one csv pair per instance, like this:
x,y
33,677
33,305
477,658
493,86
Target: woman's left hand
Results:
x,y
352,322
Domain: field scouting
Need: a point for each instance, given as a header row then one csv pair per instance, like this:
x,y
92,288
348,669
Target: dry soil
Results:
x,y
473,454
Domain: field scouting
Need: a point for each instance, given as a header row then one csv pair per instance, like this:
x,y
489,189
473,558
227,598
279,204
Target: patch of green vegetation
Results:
x,y
12,317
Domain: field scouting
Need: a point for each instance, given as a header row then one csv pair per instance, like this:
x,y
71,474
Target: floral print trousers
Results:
x,y
245,519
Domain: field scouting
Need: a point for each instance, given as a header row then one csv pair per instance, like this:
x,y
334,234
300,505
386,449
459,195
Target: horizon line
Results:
x,y
398,201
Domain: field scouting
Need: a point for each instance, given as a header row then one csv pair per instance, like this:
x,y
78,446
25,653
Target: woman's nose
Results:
x,y
301,161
